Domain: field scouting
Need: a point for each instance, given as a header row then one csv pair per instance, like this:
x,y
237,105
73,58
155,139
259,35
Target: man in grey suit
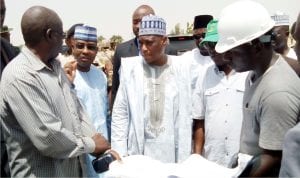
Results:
x,y
131,48
46,132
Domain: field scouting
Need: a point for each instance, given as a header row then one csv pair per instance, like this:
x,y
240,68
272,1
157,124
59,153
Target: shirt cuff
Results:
x,y
199,118
89,144
120,147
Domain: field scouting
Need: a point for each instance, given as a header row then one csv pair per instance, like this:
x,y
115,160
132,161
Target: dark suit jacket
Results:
x,y
8,52
127,49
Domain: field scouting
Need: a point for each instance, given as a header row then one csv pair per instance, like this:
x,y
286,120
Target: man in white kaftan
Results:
x,y
152,111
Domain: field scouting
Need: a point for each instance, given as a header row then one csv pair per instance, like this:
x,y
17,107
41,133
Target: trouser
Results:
x,y
4,160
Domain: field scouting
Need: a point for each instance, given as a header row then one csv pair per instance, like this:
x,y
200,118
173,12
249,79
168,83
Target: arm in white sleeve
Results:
x,y
120,121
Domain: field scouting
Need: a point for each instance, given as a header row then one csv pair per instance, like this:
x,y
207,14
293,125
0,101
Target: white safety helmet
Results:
x,y
241,22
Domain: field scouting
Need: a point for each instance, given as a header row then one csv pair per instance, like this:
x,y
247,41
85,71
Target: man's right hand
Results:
x,y
101,145
70,70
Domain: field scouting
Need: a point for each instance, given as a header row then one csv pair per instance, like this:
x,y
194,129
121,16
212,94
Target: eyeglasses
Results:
x,y
90,47
210,45
198,36
61,34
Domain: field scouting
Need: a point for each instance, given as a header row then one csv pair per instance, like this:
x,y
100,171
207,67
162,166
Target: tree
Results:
x,y
116,39
189,28
177,30
100,39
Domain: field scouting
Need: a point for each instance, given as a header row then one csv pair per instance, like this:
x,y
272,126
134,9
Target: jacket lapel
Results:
x,y
133,48
137,100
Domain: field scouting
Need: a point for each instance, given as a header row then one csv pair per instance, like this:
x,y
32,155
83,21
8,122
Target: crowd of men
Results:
x,y
236,93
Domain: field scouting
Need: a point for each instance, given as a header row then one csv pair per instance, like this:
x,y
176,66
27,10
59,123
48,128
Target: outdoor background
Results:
x,y
113,17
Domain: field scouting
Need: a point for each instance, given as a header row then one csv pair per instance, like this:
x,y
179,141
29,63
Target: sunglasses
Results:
x,y
60,34
210,47
90,47
198,36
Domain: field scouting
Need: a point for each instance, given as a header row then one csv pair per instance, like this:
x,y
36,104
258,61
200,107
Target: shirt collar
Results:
x,y
218,72
36,62
138,46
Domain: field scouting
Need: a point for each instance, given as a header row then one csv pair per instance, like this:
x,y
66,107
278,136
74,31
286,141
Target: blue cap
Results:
x,y
85,33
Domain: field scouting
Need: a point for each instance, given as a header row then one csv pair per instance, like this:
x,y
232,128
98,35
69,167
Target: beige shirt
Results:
x,y
271,107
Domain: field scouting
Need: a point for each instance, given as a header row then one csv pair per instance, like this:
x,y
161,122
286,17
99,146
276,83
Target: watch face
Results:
x,y
101,164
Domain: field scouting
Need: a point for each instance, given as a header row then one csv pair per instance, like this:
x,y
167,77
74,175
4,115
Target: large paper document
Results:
x,y
139,166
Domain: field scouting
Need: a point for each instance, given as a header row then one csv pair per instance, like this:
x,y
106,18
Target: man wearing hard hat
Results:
x,y
271,103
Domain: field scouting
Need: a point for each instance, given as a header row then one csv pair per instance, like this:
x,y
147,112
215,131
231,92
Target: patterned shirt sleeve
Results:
x,y
33,110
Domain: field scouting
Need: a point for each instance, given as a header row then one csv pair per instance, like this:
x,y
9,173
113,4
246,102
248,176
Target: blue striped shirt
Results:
x,y
46,132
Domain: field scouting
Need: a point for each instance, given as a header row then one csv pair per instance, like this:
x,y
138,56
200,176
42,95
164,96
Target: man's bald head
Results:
x,y
137,16
144,9
35,23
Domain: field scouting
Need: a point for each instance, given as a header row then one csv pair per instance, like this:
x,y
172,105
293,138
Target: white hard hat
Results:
x,y
241,22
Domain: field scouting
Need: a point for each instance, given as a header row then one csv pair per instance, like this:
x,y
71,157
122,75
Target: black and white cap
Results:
x,y
152,25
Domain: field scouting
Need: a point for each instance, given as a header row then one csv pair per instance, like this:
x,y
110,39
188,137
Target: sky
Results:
x,y
113,17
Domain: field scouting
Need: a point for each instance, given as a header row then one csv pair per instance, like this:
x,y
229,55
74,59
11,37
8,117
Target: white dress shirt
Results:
x,y
218,99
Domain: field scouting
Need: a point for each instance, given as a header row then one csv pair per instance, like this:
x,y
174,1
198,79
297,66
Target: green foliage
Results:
x,y
178,30
116,39
100,39
189,28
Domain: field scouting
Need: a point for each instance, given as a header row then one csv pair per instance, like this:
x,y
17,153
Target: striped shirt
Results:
x,y
46,132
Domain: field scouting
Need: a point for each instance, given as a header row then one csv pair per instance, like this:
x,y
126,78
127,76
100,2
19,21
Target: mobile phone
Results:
x,y
101,164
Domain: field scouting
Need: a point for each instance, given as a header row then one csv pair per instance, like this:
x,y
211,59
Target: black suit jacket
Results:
x,y
8,52
127,49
